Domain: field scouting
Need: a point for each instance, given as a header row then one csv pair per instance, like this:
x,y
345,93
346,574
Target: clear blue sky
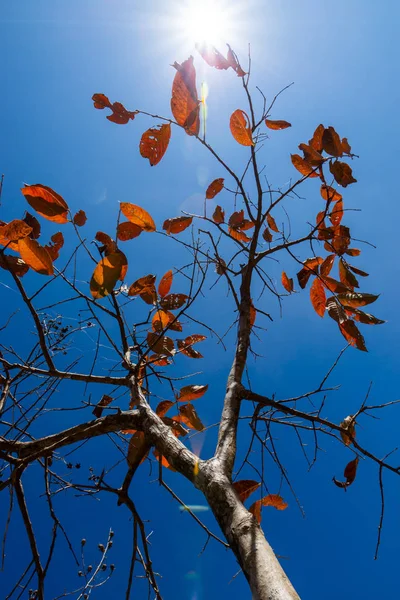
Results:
x,y
342,57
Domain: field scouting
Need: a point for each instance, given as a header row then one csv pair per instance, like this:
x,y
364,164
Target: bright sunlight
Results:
x,y
210,21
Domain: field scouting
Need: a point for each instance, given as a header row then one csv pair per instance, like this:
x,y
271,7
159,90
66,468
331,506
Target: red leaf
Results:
x,y
276,125
46,202
317,296
177,224
165,284
191,392
80,218
245,488
287,283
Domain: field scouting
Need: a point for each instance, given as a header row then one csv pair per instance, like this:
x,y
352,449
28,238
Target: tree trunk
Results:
x,y
260,566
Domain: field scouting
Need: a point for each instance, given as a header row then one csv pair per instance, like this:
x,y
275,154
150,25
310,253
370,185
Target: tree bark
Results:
x,y
265,576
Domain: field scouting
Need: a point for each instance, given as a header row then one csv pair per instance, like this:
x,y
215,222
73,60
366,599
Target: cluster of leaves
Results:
x,y
246,487
344,305
21,235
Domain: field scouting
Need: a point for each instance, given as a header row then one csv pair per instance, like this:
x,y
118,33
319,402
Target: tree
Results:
x,y
151,329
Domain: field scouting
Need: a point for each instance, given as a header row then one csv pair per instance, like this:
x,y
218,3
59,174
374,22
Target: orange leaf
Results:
x,y
177,224
15,230
212,56
128,231
351,333
189,416
46,202
219,215
138,216
56,243
287,283
80,218
355,300
240,128
191,392
163,460
316,140
163,319
108,271
327,265
271,223
302,166
337,213
184,101
238,235
214,188
253,315
165,284
245,488
317,296
311,156
330,194
267,235
154,143
35,256
271,500
342,173
346,276
276,125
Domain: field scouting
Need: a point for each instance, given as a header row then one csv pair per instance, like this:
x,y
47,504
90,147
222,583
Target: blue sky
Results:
x,y
342,58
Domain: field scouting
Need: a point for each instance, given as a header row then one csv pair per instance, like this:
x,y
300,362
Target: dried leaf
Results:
x,y
317,296
354,300
190,418
154,143
311,156
245,488
109,246
164,319
303,166
14,264
177,224
214,188
119,115
160,344
34,255
240,128
98,409
163,460
350,474
212,56
163,407
128,231
80,218
173,301
287,283
14,231
191,392
330,194
327,265
271,223
267,235
351,333
276,125
346,276
165,284
184,101
252,315
331,142
46,202
271,500
316,140
138,216
337,213
143,285
335,310
350,426
108,271
342,173
238,235
34,224
219,215
55,245
364,318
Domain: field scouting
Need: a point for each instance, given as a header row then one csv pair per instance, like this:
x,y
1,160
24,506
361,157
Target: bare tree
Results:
x,y
136,322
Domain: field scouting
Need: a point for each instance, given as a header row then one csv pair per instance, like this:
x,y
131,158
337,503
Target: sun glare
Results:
x,y
207,21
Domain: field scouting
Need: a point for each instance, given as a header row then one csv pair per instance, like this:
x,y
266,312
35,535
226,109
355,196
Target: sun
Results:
x,y
206,21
